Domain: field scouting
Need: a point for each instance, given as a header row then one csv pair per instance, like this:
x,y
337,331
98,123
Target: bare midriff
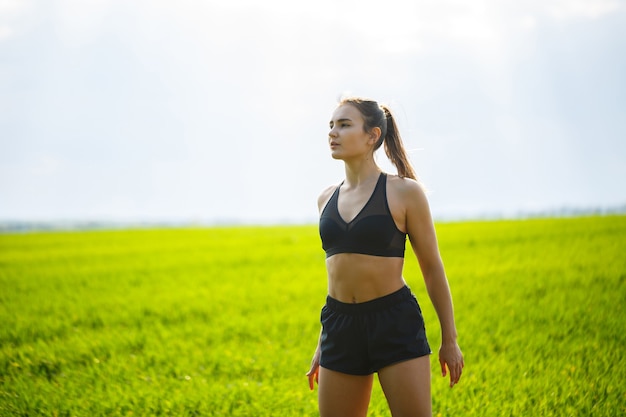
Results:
x,y
357,278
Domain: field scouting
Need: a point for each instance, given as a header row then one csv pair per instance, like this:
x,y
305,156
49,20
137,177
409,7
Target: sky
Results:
x,y
217,111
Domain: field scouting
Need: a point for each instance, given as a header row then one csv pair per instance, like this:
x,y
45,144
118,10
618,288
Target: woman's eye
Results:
x,y
345,125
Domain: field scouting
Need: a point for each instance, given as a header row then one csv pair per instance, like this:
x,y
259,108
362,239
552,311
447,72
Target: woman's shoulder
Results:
x,y
405,187
407,193
325,195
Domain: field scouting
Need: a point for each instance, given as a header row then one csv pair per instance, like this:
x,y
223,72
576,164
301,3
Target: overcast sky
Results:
x,y
208,111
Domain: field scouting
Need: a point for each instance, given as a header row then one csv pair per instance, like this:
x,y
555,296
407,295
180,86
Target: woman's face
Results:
x,y
347,137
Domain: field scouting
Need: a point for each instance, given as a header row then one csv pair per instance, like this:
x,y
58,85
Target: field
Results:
x,y
224,321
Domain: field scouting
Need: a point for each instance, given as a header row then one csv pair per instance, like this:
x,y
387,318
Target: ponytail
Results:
x,y
380,116
394,147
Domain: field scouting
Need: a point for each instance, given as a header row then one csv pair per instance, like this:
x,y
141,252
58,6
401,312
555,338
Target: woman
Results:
x,y
371,322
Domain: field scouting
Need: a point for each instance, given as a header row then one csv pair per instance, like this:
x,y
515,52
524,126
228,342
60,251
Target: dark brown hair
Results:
x,y
380,116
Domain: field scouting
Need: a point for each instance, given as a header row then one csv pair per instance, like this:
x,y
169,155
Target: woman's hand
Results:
x,y
450,356
313,373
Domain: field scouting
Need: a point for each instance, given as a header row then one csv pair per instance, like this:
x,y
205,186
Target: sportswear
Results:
x,y
362,338
372,232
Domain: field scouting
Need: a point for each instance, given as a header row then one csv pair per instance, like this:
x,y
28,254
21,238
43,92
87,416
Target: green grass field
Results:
x,y
224,321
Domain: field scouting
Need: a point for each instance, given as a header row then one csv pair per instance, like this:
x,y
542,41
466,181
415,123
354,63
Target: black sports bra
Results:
x,y
371,232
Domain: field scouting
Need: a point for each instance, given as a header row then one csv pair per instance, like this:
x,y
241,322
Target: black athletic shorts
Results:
x,y
362,338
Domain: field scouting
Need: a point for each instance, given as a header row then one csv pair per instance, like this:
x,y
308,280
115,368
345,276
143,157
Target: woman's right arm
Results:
x,y
313,373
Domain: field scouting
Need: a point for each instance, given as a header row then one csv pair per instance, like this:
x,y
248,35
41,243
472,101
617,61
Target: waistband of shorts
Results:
x,y
376,304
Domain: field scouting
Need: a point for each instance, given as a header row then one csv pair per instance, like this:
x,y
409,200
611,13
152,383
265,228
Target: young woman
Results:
x,y
371,322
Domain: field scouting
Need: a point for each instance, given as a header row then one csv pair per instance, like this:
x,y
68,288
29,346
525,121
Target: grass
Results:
x,y
224,321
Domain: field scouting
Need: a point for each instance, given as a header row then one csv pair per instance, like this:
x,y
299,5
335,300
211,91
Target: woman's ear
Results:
x,y
375,134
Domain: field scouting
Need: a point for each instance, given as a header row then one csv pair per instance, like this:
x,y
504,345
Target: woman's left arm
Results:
x,y
421,231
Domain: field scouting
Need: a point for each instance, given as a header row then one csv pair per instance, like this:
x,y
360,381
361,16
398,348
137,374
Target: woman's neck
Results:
x,y
362,172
